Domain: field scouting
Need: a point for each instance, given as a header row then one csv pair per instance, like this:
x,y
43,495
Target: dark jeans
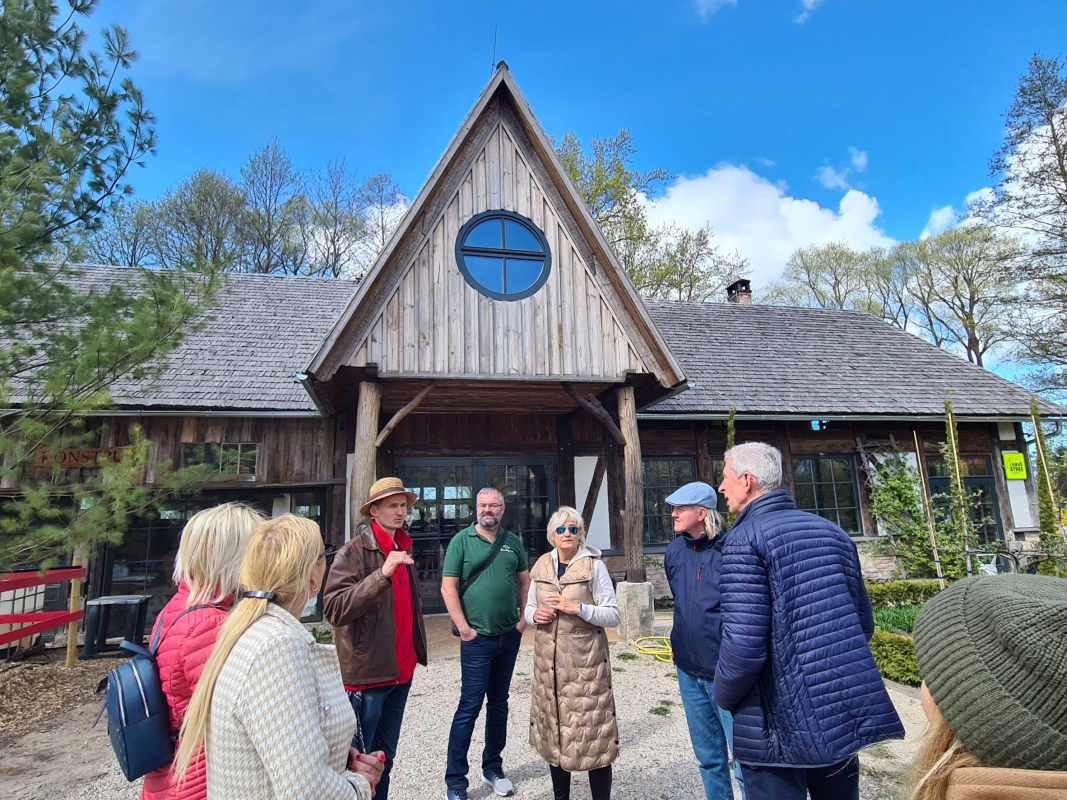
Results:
x,y
486,663
599,783
836,782
381,712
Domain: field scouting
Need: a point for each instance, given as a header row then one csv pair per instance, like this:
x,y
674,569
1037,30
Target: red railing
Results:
x,y
37,621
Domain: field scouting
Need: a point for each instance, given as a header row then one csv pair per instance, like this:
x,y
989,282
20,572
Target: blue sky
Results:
x,y
786,121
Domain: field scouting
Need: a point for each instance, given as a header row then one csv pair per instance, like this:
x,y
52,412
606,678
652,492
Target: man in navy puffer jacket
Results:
x,y
794,667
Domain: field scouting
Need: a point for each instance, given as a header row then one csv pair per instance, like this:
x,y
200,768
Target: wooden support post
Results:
x,y
594,490
366,455
399,415
634,516
565,461
615,501
75,606
593,406
705,469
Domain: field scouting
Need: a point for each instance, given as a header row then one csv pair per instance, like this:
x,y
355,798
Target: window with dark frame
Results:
x,y
503,255
663,477
826,486
230,461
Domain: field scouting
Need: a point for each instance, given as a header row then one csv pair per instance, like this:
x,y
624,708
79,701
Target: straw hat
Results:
x,y
383,488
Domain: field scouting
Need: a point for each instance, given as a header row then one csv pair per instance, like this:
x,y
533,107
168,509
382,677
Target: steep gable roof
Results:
x,y
775,360
415,315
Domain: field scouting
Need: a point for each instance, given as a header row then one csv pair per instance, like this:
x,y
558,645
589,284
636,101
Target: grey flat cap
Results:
x,y
695,494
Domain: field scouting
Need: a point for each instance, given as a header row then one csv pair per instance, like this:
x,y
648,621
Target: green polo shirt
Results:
x,y
491,604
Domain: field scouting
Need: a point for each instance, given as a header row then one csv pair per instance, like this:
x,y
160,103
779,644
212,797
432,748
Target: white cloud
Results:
x,y
978,196
764,162
859,159
941,219
708,7
831,178
809,7
762,221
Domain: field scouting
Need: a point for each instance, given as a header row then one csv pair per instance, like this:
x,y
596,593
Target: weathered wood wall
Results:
x,y
434,323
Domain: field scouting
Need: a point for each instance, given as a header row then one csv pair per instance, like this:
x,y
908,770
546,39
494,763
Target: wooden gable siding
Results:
x,y
433,323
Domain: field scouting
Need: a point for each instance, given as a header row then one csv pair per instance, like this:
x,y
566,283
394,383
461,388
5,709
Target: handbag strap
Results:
x,y
158,636
498,543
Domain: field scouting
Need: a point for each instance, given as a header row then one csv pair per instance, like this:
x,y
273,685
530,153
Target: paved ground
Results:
x,y
64,760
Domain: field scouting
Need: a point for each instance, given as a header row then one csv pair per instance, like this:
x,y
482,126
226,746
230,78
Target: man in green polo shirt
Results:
x,y
490,627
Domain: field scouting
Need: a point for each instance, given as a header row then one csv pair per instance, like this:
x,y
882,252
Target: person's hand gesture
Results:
x,y
562,604
395,559
544,615
369,765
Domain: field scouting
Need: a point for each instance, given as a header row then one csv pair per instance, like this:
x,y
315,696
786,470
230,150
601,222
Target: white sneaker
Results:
x,y
501,785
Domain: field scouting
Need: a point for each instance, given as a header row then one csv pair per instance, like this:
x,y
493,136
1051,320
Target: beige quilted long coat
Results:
x,y
572,716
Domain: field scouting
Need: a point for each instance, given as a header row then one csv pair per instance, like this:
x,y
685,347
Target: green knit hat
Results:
x,y
993,652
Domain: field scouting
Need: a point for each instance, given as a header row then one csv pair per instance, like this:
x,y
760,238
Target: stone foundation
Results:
x,y
635,610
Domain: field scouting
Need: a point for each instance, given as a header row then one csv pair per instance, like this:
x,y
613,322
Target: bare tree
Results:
x,y
275,213
335,225
686,265
125,237
200,221
384,204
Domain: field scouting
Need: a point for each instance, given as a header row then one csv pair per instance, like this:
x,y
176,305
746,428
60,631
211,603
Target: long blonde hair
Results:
x,y
940,754
279,558
212,545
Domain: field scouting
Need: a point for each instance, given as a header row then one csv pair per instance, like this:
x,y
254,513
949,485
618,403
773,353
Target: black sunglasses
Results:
x,y
573,529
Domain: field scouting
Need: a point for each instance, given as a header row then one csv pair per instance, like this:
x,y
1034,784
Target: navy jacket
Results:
x,y
692,567
794,664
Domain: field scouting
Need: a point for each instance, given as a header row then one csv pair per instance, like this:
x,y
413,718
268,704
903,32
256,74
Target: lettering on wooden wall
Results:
x,y
75,458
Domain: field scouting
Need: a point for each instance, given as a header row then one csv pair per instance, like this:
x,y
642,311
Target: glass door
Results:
x,y
445,491
980,487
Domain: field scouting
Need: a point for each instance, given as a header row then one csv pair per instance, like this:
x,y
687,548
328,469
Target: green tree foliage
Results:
x,y
1050,537
71,125
1030,197
957,289
953,518
666,262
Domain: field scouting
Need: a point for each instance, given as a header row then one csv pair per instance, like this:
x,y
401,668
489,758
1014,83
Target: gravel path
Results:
x,y
655,761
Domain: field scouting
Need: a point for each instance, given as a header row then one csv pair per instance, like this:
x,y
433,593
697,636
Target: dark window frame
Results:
x,y
243,450
851,462
659,513
462,250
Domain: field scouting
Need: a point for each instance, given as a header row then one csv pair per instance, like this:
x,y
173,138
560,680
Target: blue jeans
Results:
x,y
836,782
487,663
712,731
381,712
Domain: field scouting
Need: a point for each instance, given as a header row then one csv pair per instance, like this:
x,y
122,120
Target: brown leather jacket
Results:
x,y
358,603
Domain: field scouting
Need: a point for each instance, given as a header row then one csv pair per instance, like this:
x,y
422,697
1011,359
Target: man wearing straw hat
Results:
x,y
372,600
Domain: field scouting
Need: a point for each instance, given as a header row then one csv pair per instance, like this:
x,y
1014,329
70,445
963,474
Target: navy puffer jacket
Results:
x,y
794,664
692,568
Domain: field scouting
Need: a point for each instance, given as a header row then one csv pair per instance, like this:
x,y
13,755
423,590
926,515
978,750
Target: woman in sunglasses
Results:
x,y
571,601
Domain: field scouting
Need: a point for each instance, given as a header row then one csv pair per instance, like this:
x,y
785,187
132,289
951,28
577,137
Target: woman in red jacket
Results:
x,y
206,572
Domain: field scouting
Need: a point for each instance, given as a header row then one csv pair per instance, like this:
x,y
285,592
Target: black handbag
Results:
x,y
498,543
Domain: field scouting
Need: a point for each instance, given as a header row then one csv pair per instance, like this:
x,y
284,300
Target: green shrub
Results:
x,y
892,594
895,656
899,618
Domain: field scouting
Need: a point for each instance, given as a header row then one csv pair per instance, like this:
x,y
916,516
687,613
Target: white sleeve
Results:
x,y
605,612
531,603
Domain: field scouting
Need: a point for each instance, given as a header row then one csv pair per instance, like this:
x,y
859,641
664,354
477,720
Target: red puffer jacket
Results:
x,y
182,654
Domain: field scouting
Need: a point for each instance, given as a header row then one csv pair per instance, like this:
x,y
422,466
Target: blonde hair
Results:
x,y
209,555
712,520
940,754
564,513
279,558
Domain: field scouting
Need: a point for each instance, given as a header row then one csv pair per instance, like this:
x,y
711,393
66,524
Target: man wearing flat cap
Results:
x,y
372,600
692,566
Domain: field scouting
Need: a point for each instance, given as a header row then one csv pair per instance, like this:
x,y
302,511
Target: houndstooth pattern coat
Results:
x,y
281,723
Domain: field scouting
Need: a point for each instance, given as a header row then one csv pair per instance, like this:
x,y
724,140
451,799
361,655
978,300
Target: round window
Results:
x,y
503,255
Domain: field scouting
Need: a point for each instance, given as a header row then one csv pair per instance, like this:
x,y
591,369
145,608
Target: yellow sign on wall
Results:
x,y
1015,466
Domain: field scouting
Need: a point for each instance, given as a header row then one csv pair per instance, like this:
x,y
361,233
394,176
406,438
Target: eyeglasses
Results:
x,y
571,529
489,505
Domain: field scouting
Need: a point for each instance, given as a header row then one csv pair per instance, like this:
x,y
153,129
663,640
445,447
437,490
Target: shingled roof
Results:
x,y
767,360
262,332
772,360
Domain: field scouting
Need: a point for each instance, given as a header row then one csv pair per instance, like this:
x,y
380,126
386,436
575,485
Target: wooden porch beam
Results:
x,y
366,453
399,415
634,515
594,490
593,406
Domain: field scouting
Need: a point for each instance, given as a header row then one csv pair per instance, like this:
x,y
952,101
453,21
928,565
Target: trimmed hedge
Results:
x,y
893,594
900,619
895,656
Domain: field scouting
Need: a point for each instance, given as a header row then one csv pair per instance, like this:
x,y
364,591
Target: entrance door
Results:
x,y
446,491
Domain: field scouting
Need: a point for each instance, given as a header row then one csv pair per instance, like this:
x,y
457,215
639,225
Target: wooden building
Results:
x,y
498,342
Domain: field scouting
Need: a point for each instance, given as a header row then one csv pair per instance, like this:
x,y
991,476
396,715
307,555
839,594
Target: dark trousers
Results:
x,y
487,663
380,712
836,782
599,783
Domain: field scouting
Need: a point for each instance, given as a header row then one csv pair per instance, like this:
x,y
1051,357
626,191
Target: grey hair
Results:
x,y
760,460
492,490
